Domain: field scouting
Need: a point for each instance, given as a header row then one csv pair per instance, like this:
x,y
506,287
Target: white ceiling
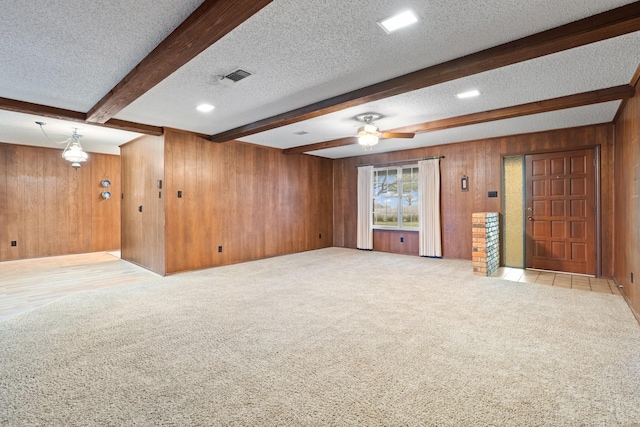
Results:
x,y
69,54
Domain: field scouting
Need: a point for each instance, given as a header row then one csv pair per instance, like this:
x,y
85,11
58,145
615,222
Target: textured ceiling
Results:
x,y
69,54
548,77
571,117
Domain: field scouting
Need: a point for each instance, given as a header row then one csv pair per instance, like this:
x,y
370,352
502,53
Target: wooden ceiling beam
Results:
x,y
211,21
74,116
634,82
41,110
571,101
613,23
349,140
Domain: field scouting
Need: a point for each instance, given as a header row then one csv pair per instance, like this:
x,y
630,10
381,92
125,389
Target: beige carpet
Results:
x,y
330,337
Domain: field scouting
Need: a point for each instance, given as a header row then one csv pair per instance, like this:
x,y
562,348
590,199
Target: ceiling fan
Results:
x,y
369,134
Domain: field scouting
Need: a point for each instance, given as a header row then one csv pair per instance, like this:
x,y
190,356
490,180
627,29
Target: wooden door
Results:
x,y
560,211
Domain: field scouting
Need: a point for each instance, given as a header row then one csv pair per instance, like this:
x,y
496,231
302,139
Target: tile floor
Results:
x,y
562,280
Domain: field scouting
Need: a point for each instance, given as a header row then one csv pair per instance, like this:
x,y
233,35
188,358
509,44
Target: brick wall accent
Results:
x,y
486,243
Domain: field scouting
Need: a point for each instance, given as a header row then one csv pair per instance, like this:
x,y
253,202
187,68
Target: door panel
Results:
x,y
560,203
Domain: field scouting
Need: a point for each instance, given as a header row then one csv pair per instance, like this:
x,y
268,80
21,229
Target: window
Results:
x,y
395,197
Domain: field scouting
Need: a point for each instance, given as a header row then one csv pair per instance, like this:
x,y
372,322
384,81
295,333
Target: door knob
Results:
x,y
529,210
530,218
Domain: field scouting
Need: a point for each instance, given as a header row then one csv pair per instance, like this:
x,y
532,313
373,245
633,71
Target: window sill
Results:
x,y
401,230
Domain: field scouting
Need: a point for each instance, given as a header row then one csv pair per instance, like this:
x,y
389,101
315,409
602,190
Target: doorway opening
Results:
x,y
550,211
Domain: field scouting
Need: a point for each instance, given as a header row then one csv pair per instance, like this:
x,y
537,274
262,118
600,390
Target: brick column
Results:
x,y
486,243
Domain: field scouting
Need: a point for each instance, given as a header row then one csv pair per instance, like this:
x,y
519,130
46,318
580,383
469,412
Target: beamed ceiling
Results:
x,y
116,69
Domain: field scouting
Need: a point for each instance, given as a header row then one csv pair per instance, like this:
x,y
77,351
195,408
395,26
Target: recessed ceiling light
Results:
x,y
398,21
205,108
469,94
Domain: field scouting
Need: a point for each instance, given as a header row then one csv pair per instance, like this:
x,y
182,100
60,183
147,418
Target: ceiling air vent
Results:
x,y
237,75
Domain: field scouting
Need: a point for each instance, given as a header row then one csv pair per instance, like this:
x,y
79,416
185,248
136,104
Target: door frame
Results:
x,y
597,183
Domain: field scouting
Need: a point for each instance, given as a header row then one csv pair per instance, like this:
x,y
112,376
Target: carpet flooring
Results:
x,y
331,337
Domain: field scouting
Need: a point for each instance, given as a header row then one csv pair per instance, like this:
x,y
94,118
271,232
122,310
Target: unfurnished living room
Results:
x,y
288,212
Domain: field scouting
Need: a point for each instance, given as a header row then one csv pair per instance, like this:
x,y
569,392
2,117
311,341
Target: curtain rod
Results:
x,y
400,161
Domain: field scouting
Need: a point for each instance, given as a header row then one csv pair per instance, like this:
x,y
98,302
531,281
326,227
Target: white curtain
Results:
x,y
365,207
429,208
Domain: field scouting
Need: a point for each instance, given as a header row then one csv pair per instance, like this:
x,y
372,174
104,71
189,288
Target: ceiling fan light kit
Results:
x,y
368,140
369,134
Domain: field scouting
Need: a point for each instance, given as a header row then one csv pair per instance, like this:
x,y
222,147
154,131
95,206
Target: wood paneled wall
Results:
x,y
50,208
396,241
481,161
105,213
143,202
627,200
253,201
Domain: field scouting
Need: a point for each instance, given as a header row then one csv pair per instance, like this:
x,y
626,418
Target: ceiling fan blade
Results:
x,y
388,135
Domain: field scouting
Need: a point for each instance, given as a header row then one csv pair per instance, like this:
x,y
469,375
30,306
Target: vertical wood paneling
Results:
x,y
346,201
31,200
142,233
5,247
105,224
253,201
16,187
481,161
75,210
389,241
46,205
62,209
83,203
175,207
47,210
627,200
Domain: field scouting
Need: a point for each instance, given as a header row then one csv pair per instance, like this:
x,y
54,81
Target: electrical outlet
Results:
x,y
219,248
14,243
402,240
179,194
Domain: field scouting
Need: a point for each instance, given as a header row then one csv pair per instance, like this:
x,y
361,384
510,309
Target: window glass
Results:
x,y
395,197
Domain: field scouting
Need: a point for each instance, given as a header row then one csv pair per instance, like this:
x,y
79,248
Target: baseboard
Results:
x,y
635,313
